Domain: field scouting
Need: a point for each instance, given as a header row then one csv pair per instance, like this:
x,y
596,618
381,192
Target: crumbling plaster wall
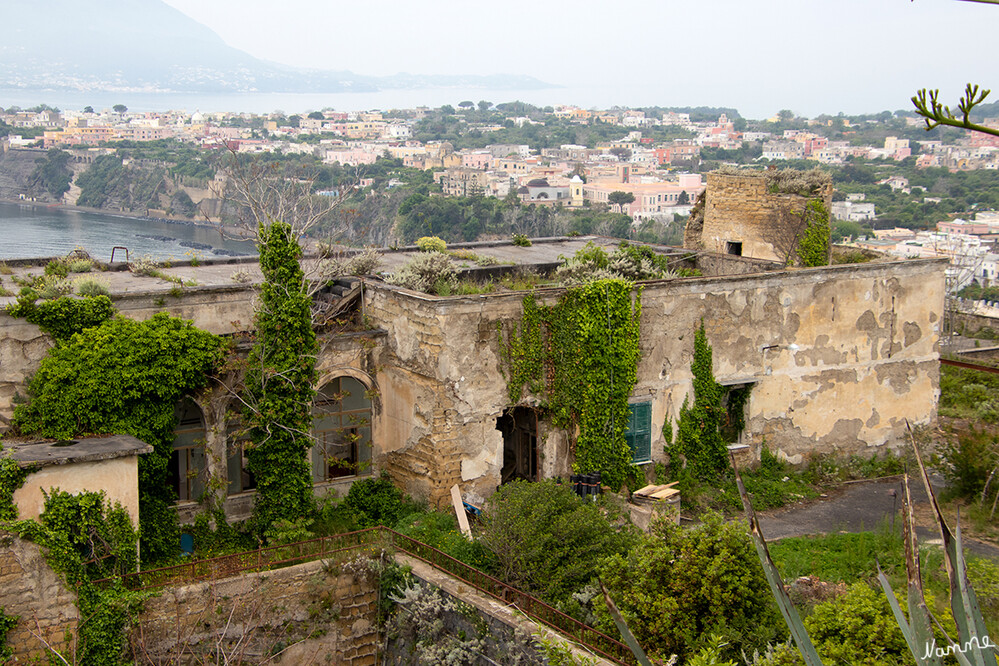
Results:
x,y
441,391
839,357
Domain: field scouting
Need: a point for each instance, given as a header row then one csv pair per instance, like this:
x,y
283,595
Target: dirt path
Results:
x,y
858,507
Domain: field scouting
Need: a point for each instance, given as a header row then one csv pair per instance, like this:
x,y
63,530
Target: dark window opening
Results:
x,y
734,248
519,426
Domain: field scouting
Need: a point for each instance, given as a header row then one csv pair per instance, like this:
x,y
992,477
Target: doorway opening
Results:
x,y
519,426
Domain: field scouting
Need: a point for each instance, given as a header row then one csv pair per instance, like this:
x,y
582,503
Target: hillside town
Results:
x,y
648,167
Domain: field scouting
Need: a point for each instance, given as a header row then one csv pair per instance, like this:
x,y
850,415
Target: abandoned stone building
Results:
x,y
838,359
756,214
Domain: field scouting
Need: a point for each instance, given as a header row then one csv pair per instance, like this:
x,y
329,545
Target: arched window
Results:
x,y
188,466
342,428
239,477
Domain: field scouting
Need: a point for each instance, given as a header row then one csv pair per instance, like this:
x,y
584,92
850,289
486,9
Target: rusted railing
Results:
x,y
377,538
599,643
969,366
261,559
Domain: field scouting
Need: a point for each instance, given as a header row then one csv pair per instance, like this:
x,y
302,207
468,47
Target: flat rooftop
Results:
x,y
64,452
221,272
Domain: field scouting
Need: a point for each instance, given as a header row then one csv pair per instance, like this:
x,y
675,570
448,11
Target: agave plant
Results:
x,y
973,648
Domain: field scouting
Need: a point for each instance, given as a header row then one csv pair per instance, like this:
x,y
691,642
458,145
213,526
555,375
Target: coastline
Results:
x,y
113,213
157,235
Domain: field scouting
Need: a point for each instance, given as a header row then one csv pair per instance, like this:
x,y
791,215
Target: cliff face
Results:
x,y
16,167
143,188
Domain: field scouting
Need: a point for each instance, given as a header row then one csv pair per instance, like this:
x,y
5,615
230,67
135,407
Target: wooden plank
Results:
x,y
459,510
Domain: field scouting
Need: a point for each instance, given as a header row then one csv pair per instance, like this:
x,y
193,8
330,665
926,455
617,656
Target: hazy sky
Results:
x,y
759,56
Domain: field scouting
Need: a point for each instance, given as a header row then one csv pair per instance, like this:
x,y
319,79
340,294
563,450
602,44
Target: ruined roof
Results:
x,y
64,452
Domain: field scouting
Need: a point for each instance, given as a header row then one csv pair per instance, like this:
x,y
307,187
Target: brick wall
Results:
x,y
30,590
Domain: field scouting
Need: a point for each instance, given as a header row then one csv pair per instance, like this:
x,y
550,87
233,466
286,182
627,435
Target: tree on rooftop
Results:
x,y
119,108
282,207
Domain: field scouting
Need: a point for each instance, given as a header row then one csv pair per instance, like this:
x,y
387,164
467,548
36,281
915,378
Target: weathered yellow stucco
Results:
x,y
117,478
839,358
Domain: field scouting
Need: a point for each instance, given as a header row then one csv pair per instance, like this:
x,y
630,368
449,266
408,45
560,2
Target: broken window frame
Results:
x,y
345,436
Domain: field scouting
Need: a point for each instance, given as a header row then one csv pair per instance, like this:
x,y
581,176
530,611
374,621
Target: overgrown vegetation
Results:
x,y
679,585
85,540
698,449
280,383
125,377
63,317
546,540
813,246
588,341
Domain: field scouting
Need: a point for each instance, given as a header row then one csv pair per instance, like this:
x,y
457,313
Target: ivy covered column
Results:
x,y
280,383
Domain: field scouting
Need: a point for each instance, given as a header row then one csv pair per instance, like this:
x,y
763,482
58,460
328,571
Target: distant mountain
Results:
x,y
147,45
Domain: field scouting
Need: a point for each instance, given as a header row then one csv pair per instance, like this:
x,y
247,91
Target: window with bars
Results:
x,y
639,433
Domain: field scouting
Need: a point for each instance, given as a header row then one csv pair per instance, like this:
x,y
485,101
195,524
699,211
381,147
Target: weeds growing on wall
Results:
x,y
581,356
125,377
12,477
280,384
85,540
7,622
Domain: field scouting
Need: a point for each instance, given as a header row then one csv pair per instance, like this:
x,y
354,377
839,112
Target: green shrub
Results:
x,y
521,240
80,265
431,244
376,501
92,287
547,540
679,585
966,462
57,268
858,628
